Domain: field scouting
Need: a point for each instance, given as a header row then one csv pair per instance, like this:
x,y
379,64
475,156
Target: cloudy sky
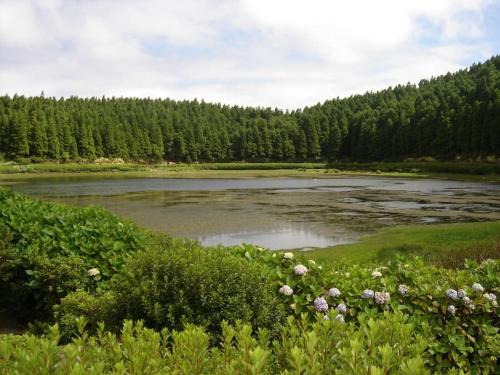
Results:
x,y
284,53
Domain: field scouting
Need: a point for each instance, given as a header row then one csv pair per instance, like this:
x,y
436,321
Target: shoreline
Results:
x,y
12,172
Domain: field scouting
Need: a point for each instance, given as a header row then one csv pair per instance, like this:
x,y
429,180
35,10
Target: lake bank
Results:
x,y
440,170
429,241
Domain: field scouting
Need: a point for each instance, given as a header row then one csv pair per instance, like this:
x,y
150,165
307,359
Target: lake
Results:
x,y
277,213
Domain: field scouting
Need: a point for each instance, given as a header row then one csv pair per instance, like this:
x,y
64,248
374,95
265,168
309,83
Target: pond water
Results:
x,y
277,213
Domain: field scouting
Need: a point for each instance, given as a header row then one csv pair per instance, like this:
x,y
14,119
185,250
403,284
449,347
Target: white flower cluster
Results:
x,y
288,256
382,298
376,274
491,297
340,318
334,292
286,290
461,293
468,303
451,310
93,272
452,294
403,290
367,293
300,270
341,308
320,304
477,288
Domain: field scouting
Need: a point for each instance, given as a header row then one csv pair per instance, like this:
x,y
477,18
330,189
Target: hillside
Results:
x,y
456,115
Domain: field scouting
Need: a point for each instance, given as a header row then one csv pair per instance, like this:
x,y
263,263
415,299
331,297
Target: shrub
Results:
x,y
177,282
96,309
386,346
50,248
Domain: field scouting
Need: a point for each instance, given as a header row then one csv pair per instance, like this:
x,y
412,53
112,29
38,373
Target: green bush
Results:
x,y
177,282
387,345
51,249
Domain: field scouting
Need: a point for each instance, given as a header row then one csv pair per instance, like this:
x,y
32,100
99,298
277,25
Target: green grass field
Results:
x,y
430,241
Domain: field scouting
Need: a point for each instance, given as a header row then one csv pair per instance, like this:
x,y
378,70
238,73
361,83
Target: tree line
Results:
x,y
455,115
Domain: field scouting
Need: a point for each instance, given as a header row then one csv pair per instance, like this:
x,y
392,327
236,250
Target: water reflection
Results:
x,y
291,237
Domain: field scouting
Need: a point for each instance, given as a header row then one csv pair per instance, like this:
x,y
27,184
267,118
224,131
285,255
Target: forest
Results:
x,y
448,117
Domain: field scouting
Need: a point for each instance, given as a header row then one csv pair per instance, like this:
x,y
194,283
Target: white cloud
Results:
x,y
286,53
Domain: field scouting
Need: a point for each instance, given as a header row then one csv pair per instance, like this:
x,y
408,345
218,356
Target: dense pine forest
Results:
x,y
455,115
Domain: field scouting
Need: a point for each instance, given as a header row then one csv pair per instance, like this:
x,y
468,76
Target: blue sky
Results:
x,y
278,53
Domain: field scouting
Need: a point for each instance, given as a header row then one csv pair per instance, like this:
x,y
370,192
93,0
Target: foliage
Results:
x,y
435,243
455,116
52,248
387,345
467,338
227,310
177,282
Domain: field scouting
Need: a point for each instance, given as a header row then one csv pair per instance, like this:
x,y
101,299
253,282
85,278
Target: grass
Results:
x,y
478,171
430,241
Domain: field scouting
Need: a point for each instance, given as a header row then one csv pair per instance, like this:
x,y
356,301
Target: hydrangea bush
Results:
x,y
456,309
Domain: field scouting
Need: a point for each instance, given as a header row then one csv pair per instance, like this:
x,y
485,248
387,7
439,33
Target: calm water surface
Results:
x,y
278,213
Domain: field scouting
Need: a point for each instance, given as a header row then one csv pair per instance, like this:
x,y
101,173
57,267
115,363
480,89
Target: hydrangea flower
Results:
x,y
286,290
452,294
93,272
312,262
288,256
490,297
367,293
461,293
470,306
300,270
382,298
376,274
347,274
326,317
403,290
334,292
466,300
320,304
292,306
341,308
340,318
478,288
451,310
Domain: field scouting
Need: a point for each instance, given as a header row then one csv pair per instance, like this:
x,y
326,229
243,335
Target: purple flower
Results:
x,y
341,308
452,294
300,270
403,290
382,298
367,293
320,304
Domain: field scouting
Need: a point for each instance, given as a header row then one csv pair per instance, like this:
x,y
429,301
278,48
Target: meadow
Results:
x,y
100,295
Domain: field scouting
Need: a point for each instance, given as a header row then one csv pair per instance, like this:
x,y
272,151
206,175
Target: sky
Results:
x,y
270,53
